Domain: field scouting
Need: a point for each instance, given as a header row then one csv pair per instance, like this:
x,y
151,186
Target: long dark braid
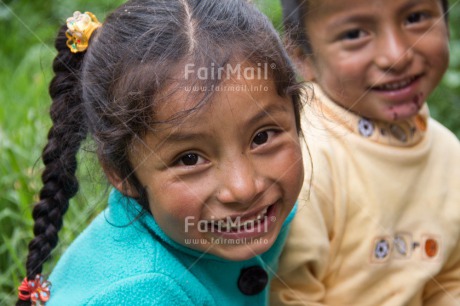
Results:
x,y
59,156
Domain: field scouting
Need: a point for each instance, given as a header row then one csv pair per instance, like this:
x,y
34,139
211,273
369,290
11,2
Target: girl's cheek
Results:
x,y
297,170
184,204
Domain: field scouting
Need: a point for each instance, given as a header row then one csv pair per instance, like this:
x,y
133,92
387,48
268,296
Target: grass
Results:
x,y
23,133
26,54
26,58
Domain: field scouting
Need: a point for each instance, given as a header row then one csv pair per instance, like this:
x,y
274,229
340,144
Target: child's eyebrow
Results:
x,y
412,3
368,18
184,136
190,136
352,19
268,111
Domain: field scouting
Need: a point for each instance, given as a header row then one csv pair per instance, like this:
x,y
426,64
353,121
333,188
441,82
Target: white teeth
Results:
x,y
222,224
234,225
262,214
396,85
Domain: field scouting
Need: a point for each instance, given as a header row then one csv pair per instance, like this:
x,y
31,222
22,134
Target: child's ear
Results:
x,y
303,64
120,184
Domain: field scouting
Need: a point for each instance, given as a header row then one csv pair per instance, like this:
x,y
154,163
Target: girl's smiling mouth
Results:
x,y
400,93
397,84
243,224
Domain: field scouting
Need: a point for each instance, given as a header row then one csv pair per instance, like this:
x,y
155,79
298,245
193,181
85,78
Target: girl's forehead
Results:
x,y
333,12
193,102
193,85
331,6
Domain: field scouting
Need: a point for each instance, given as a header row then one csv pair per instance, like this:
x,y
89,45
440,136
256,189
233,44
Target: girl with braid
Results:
x,y
194,109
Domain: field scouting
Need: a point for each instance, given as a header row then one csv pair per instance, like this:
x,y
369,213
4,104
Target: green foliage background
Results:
x,y
27,30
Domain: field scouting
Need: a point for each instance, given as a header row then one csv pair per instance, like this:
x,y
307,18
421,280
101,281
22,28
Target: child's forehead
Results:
x,y
334,13
192,101
334,6
194,84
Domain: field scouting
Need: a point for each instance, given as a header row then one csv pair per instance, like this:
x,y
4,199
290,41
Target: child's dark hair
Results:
x,y
296,11
110,90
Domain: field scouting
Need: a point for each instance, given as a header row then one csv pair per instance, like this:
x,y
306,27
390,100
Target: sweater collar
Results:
x,y
404,133
126,211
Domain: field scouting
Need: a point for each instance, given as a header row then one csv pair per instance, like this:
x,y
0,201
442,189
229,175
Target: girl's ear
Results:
x,y
120,184
304,64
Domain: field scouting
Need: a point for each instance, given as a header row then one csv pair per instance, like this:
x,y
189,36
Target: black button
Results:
x,y
252,280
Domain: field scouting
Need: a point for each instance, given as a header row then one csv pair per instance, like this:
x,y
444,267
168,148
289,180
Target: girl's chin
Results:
x,y
243,251
397,114
402,111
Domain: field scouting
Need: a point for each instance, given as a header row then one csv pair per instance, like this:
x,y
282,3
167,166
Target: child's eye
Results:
x,y
262,137
353,34
416,17
189,159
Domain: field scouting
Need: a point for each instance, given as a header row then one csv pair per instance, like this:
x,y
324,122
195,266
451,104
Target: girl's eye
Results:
x,y
189,159
353,34
262,138
415,17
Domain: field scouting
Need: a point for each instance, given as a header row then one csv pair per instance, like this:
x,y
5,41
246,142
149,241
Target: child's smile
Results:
x,y
232,169
244,226
379,63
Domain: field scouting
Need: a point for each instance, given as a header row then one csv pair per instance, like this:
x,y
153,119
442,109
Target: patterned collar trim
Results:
x,y
404,133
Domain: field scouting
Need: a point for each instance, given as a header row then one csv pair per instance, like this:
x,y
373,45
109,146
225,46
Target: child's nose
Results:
x,y
240,182
394,51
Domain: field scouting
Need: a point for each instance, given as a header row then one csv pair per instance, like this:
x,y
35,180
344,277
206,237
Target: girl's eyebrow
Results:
x,y
408,5
358,18
183,136
268,111
364,18
186,135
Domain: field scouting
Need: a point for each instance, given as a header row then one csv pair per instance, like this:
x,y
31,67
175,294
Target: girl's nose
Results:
x,y
241,182
394,51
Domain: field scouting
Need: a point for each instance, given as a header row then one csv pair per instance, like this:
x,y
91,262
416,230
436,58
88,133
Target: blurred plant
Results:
x,y
445,101
26,52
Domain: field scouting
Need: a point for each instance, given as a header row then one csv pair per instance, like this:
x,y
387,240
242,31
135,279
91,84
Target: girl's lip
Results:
x,y
260,226
396,84
243,217
398,91
405,110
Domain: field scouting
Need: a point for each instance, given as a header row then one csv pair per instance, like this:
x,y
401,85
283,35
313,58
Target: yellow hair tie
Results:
x,y
79,29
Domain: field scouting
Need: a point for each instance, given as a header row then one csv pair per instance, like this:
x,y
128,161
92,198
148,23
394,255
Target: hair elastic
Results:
x,y
37,290
80,27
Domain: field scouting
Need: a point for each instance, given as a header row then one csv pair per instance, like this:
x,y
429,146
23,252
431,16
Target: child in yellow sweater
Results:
x,y
381,222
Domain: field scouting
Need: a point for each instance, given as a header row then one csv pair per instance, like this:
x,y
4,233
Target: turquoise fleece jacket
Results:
x,y
124,259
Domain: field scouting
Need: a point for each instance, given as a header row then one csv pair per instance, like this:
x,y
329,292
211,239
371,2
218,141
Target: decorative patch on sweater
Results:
x,y
365,127
431,247
381,250
402,246
407,132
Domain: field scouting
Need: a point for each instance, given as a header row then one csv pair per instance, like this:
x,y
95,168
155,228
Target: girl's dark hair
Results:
x,y
295,13
59,156
110,91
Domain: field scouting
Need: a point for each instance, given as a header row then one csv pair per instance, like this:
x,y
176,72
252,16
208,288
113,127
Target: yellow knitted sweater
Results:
x,y
378,223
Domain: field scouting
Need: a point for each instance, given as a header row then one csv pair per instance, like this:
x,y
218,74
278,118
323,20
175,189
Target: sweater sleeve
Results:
x,y
151,289
444,288
307,254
